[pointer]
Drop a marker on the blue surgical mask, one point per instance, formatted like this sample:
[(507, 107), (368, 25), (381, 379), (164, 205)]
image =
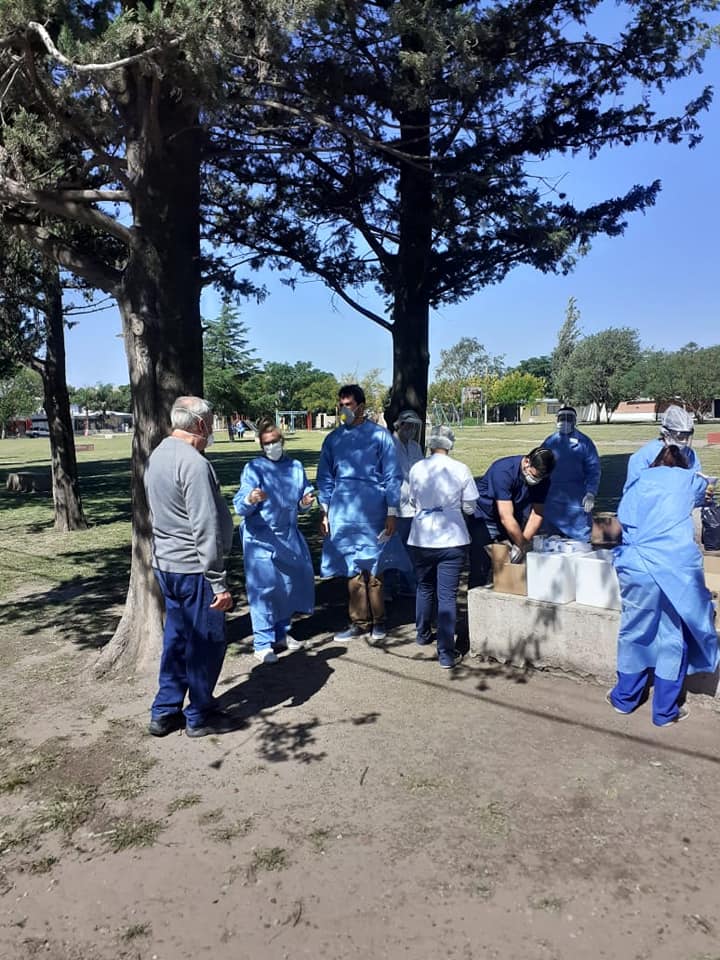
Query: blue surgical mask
[(347, 416), (273, 451)]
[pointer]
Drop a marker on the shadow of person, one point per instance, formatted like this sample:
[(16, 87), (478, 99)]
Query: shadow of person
[(296, 678)]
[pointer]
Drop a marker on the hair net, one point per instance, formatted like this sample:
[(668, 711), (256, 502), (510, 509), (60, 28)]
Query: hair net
[(441, 438), (407, 416), (677, 420)]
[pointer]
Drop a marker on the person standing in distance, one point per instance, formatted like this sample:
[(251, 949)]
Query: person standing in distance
[(192, 531), (358, 481), (409, 452), (575, 480), (676, 427)]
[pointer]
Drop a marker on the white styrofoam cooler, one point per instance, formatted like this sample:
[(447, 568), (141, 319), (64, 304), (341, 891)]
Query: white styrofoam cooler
[(551, 577), (596, 583)]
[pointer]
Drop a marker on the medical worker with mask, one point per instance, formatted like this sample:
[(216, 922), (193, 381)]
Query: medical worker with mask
[(666, 623), (358, 481), (409, 452), (575, 481), (510, 506), (278, 569), (676, 426)]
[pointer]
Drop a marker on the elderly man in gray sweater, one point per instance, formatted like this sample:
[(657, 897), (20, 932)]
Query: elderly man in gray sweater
[(192, 534)]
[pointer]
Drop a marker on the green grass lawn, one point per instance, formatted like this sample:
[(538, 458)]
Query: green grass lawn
[(97, 560)]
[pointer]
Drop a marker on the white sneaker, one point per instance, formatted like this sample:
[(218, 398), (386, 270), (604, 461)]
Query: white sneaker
[(378, 633), (289, 643), (265, 656)]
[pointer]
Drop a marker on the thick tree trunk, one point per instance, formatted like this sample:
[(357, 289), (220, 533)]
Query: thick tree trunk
[(411, 309), (65, 485), (160, 308)]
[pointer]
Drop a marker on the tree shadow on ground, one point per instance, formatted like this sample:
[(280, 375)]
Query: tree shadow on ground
[(81, 610)]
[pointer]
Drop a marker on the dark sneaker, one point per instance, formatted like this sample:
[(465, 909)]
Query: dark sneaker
[(167, 723), (378, 633), (216, 724)]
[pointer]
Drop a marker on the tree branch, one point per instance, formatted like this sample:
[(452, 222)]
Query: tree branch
[(95, 272), (14, 192), (40, 30)]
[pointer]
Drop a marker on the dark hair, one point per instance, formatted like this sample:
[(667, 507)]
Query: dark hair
[(265, 424), (671, 456), (352, 390), (571, 410), (542, 460)]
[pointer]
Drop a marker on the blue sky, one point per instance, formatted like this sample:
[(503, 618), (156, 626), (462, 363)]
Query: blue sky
[(661, 277)]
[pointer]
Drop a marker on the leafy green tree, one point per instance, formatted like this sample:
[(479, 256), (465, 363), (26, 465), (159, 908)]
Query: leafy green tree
[(599, 370), (320, 396), (136, 88), (405, 146), (568, 338), (540, 367), (698, 371), (32, 321), (228, 362), (20, 396)]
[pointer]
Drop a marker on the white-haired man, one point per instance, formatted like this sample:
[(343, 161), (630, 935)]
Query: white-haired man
[(192, 531)]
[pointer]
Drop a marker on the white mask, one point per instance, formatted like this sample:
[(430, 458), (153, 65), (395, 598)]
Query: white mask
[(273, 451), (531, 480)]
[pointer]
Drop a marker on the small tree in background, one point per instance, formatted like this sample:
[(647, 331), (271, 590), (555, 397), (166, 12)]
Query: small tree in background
[(568, 338), (227, 363), (20, 396), (599, 370)]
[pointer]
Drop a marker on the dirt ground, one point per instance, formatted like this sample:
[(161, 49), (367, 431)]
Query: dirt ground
[(369, 805)]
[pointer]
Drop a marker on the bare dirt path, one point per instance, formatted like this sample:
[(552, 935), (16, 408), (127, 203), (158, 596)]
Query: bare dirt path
[(369, 805)]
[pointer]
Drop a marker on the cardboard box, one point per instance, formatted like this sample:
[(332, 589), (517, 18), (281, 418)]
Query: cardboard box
[(711, 562), (606, 529), (507, 577), (712, 582)]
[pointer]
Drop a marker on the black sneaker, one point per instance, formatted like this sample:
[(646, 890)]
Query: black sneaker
[(167, 723), (215, 724)]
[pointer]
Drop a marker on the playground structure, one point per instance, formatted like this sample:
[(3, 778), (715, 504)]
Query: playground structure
[(285, 419)]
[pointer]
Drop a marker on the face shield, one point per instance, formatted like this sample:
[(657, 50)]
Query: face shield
[(566, 422), (681, 438), (407, 426)]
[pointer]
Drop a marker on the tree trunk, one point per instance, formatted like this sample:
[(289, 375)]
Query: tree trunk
[(160, 308), (231, 432), (69, 513), (411, 306)]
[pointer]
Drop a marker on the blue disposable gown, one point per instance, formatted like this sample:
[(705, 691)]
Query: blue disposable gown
[(642, 458), (358, 479), (577, 472), (665, 602), (278, 567)]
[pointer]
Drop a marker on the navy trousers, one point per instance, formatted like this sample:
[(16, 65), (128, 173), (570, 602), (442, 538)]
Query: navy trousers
[(630, 689), (438, 575), (193, 648)]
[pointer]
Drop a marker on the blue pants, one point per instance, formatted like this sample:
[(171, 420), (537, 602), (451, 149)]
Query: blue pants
[(438, 575), (264, 639), (193, 647), (630, 689)]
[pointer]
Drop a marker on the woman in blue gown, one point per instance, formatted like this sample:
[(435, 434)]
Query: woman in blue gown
[(666, 624), (278, 569)]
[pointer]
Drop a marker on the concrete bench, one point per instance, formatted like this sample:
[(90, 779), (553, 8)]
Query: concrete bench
[(26, 482), (566, 636), (80, 447)]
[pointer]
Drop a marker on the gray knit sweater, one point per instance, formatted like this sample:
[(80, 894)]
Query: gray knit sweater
[(192, 525)]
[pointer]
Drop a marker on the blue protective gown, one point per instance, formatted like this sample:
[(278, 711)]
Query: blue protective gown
[(577, 472), (665, 603), (278, 568), (358, 480), (643, 457)]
